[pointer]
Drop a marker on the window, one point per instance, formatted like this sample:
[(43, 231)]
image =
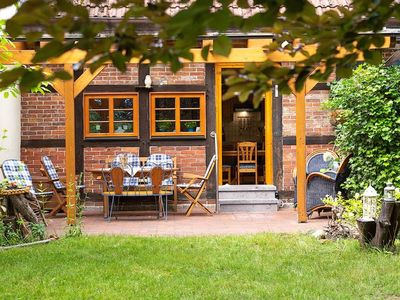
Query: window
[(178, 114), (111, 115)]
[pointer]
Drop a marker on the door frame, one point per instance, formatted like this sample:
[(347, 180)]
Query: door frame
[(269, 163)]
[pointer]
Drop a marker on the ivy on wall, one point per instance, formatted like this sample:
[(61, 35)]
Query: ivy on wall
[(369, 107)]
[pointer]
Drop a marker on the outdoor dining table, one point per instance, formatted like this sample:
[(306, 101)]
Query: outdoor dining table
[(98, 174)]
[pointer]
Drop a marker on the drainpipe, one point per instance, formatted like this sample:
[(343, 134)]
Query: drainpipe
[(213, 134)]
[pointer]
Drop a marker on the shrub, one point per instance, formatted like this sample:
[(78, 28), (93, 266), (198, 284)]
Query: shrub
[(369, 103)]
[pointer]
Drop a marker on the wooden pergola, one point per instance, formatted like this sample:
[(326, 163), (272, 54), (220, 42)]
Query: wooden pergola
[(69, 89)]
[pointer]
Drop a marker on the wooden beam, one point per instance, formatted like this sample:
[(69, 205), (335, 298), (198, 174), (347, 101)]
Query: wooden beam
[(237, 55), (258, 43), (70, 145), (58, 85), (301, 155), (85, 79), (269, 155)]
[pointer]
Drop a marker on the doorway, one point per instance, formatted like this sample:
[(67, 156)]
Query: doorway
[(241, 122)]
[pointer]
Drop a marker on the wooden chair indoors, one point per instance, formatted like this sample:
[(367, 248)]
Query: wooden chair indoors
[(195, 187), (246, 159), (57, 185)]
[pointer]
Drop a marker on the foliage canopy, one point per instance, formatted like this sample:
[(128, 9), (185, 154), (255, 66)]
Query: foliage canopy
[(370, 128), (355, 29)]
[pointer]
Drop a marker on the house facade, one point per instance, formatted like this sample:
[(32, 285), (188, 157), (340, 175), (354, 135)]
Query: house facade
[(176, 114)]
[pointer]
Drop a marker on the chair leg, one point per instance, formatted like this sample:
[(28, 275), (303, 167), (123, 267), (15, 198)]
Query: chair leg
[(111, 209)]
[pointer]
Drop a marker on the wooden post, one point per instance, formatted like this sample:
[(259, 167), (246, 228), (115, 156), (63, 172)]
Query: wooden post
[(70, 145), (269, 156), (301, 154)]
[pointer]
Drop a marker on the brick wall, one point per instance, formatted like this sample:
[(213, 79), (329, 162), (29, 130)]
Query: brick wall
[(192, 73), (190, 159), (42, 116), (96, 157), (32, 156), (111, 76), (317, 119), (289, 162)]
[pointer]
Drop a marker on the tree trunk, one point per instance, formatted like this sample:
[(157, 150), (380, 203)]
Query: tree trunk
[(381, 233), (21, 205)]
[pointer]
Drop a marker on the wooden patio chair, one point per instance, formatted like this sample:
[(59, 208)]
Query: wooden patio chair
[(57, 185), (16, 172), (195, 187), (246, 159)]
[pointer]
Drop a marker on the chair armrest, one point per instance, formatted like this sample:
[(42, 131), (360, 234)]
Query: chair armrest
[(320, 175), (191, 176)]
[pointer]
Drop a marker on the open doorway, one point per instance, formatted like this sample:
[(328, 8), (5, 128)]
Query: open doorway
[(239, 123)]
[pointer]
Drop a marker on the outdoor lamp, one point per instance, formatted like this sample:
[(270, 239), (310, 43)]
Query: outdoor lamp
[(388, 192), (370, 197)]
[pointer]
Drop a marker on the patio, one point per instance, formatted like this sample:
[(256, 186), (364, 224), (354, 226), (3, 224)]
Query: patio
[(282, 221)]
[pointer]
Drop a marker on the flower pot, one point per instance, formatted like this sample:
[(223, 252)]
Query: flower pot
[(191, 129)]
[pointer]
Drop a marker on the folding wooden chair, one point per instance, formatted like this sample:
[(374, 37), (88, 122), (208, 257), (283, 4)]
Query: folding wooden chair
[(197, 185), (57, 185)]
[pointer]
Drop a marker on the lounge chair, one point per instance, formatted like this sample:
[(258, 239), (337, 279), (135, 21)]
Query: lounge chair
[(57, 185)]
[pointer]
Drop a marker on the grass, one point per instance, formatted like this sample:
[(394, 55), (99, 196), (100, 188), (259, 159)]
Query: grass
[(267, 266)]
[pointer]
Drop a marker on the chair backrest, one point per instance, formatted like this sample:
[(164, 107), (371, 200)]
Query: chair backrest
[(315, 161), (51, 172), (117, 180), (247, 152), (342, 173), (210, 167), (15, 171)]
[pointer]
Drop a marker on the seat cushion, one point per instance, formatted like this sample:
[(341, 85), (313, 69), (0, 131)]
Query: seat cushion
[(247, 166)]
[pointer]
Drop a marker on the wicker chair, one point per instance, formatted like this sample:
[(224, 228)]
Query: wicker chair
[(319, 185), (315, 163)]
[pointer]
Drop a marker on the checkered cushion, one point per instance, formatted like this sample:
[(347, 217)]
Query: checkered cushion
[(134, 162), (164, 161), (51, 170), (15, 171)]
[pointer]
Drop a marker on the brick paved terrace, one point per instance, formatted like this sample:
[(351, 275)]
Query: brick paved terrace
[(282, 221)]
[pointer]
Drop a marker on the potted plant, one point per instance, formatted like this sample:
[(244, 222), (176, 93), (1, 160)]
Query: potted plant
[(164, 126), (190, 126)]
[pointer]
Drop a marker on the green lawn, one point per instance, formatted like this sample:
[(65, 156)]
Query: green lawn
[(236, 267)]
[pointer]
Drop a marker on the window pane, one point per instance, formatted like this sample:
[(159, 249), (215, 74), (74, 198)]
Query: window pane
[(123, 115), (190, 126), (193, 102), (190, 114), (165, 126), (165, 115), (121, 103), (98, 127), (165, 102), (98, 103), (98, 115), (122, 127)]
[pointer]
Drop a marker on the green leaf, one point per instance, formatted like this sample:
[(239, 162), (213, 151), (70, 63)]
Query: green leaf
[(52, 49), (6, 3), (118, 60), (222, 45), (205, 51)]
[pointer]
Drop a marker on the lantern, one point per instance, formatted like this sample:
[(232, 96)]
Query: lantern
[(370, 197), (388, 192)]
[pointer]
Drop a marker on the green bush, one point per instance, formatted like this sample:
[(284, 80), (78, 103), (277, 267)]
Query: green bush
[(369, 104)]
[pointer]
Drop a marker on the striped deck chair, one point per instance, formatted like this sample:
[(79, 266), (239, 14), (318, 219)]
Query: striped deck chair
[(16, 171), (58, 186)]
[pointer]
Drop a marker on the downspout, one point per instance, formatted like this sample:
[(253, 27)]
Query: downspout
[(213, 134)]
